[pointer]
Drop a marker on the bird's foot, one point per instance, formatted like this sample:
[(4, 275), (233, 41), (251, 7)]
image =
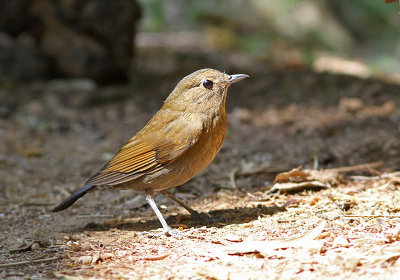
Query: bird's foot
[(173, 232)]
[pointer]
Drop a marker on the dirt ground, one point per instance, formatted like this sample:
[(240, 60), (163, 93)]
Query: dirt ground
[(55, 134)]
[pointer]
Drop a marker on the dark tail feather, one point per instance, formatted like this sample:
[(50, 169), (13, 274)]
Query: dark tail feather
[(74, 197)]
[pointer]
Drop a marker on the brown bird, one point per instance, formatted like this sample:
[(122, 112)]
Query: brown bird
[(181, 139)]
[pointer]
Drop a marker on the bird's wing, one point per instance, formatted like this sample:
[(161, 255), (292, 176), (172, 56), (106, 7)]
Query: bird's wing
[(150, 150)]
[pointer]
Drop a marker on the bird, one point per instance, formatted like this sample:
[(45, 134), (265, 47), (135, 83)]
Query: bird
[(178, 142)]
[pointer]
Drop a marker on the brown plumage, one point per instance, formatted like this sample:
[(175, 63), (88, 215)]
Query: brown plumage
[(180, 140)]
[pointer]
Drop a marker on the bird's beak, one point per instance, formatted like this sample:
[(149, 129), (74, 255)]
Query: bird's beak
[(236, 78)]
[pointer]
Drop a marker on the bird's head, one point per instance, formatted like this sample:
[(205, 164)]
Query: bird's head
[(203, 89)]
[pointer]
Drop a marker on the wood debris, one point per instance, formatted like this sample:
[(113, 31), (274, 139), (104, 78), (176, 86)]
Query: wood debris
[(298, 179), (267, 247)]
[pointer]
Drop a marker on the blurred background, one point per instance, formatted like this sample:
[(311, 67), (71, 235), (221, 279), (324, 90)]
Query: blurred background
[(297, 33), (46, 39)]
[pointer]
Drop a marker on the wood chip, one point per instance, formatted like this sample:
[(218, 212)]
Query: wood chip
[(156, 258)]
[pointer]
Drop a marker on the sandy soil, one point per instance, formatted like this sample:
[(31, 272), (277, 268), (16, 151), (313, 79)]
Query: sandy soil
[(55, 134)]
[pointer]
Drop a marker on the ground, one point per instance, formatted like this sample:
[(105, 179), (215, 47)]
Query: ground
[(55, 134)]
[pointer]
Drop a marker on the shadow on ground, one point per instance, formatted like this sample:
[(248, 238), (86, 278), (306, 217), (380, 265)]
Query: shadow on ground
[(217, 218)]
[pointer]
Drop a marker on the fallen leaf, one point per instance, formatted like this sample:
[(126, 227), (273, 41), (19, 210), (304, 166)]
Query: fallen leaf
[(297, 179)]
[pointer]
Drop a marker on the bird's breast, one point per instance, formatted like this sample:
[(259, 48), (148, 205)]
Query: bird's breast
[(202, 153)]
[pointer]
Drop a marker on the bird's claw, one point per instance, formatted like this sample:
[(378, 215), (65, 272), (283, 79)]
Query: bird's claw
[(173, 233)]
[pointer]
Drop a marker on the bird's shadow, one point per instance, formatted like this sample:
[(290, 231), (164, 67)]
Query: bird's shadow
[(216, 218)]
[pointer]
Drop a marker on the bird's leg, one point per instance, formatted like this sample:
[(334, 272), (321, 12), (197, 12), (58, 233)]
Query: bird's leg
[(149, 194), (192, 212)]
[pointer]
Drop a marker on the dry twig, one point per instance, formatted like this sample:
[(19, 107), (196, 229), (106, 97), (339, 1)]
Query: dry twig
[(156, 258)]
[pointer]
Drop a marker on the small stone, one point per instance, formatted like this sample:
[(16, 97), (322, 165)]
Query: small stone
[(35, 247)]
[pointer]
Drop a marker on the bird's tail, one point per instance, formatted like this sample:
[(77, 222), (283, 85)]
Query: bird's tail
[(74, 197)]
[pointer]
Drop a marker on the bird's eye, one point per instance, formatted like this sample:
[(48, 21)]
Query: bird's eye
[(208, 84)]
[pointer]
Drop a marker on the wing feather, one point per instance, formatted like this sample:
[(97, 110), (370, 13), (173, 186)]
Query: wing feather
[(148, 151)]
